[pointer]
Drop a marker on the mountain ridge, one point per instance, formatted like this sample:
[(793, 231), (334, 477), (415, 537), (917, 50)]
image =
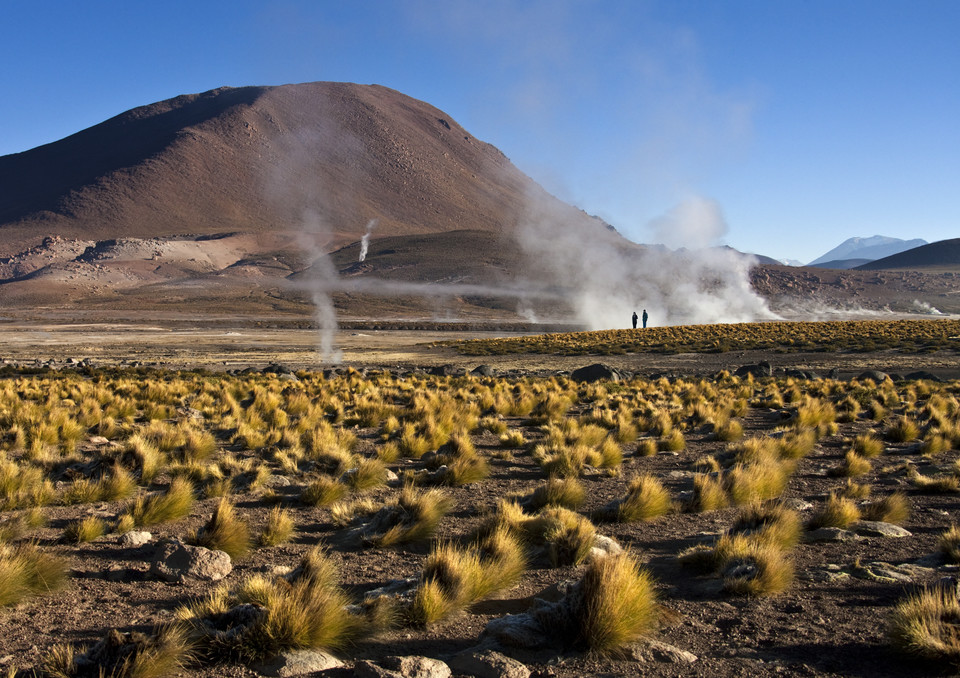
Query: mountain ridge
[(873, 247)]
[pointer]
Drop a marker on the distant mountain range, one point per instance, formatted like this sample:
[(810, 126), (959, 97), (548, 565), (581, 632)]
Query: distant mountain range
[(941, 255), (864, 249)]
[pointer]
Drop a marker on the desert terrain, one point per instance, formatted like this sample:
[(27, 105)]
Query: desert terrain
[(830, 619)]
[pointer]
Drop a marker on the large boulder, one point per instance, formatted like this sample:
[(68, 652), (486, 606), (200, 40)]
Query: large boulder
[(761, 369), (177, 562), (596, 372)]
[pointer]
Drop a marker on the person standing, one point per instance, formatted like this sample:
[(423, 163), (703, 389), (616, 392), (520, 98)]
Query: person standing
[(644, 319), (634, 320)]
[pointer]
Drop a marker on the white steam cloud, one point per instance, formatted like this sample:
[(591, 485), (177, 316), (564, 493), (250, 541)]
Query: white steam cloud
[(365, 240), (605, 278)]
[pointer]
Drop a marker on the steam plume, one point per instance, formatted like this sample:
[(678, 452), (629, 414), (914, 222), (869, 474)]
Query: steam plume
[(605, 278), (365, 240)]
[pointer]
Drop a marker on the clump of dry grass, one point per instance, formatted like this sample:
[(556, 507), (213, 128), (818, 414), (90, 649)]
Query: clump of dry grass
[(263, 616), (837, 511), (867, 445), (769, 523), (939, 484), (893, 508), (124, 655), (708, 494), (225, 531), (85, 530), (903, 430), (752, 556), (412, 516), (566, 536), (565, 492), (949, 544), (646, 499), (617, 604), (852, 466), (279, 529), (163, 507), (454, 578), (26, 571), (323, 491), (925, 624)]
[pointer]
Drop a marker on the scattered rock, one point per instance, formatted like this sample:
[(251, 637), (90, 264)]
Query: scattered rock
[(761, 369), (921, 375), (488, 664), (134, 538), (874, 375), (797, 504), (298, 663), (829, 534), (595, 372), (880, 572), (870, 528), (483, 371), (659, 651), (177, 562)]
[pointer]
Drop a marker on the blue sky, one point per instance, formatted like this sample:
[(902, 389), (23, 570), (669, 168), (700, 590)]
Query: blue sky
[(807, 121)]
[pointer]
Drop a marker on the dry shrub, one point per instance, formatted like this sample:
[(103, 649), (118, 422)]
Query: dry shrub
[(26, 570), (708, 494), (565, 492), (949, 544), (163, 507), (925, 624), (893, 508), (225, 531), (852, 466), (279, 529), (618, 603), (645, 500), (124, 655), (837, 511), (262, 617), (454, 578)]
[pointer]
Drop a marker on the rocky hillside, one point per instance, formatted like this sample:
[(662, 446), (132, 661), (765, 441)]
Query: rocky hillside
[(321, 159)]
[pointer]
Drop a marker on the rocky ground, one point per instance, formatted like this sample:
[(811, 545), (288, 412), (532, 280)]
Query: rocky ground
[(830, 622)]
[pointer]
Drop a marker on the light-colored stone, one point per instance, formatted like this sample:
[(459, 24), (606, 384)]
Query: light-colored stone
[(870, 528), (134, 538), (516, 630), (178, 562), (299, 663), (829, 534), (417, 667), (664, 652), (488, 664)]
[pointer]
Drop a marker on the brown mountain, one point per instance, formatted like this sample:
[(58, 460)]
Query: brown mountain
[(325, 158)]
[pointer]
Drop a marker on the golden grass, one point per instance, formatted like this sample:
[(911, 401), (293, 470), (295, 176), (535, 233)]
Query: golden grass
[(862, 335), (618, 604), (925, 624), (837, 511), (225, 531)]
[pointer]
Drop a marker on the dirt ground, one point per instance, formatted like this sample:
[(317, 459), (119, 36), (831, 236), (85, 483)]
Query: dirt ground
[(831, 622)]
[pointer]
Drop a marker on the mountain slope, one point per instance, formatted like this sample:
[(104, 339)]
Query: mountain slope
[(943, 254), (875, 247), (321, 159)]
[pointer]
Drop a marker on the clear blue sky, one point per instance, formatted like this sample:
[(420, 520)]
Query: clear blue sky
[(808, 121)]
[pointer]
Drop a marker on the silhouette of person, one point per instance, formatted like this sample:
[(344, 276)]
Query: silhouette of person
[(634, 320), (644, 319)]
